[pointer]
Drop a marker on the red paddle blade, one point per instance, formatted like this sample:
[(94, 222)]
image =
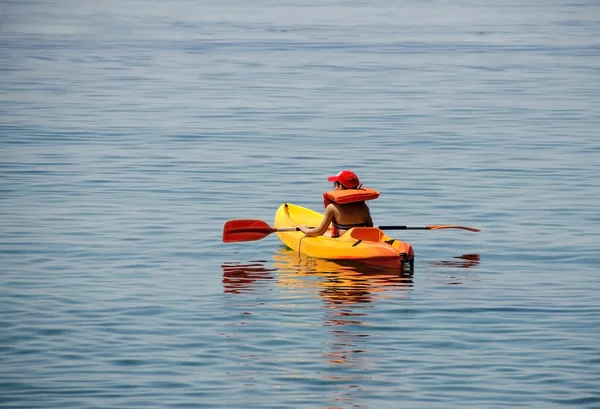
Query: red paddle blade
[(452, 227), (245, 230)]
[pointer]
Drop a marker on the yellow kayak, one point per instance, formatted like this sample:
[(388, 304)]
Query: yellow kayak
[(368, 245)]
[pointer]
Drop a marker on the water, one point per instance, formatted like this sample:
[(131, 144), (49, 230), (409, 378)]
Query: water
[(131, 131)]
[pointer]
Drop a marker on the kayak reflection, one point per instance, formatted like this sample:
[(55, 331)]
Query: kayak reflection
[(340, 282), (347, 290)]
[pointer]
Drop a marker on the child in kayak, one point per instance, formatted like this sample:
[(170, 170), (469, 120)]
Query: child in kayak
[(345, 206)]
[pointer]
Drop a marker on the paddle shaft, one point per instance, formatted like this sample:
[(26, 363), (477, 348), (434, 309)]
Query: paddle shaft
[(408, 228), (404, 228), (250, 229), (283, 229), (287, 229)]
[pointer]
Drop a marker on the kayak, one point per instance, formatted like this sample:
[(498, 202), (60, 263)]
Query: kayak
[(369, 245)]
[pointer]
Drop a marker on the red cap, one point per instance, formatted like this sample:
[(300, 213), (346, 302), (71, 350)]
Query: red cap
[(346, 178)]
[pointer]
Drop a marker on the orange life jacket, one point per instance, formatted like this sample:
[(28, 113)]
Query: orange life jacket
[(350, 195), (347, 196)]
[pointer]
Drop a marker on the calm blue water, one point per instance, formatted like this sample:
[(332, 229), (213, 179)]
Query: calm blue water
[(130, 131)]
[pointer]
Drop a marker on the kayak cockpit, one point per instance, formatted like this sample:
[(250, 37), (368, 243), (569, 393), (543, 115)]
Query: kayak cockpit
[(366, 234)]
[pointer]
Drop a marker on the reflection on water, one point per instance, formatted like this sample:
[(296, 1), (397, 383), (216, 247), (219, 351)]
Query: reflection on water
[(339, 284), (348, 292), (464, 261), (238, 277), (448, 277)]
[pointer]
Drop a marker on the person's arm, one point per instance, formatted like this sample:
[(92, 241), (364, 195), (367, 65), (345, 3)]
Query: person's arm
[(322, 228)]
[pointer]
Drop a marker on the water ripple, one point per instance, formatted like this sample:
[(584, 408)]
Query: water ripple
[(129, 138)]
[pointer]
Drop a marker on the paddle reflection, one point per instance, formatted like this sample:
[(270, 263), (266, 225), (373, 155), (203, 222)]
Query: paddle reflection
[(447, 274), (238, 277), (464, 261)]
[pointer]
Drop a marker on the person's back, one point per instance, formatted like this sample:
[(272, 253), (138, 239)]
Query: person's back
[(349, 215), (345, 206)]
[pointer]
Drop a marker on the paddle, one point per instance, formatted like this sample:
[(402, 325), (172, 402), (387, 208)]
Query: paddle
[(251, 230)]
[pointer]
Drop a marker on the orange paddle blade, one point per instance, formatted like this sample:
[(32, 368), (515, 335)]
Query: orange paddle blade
[(245, 230), (451, 227)]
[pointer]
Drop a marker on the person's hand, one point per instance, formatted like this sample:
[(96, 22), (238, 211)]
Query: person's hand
[(304, 228)]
